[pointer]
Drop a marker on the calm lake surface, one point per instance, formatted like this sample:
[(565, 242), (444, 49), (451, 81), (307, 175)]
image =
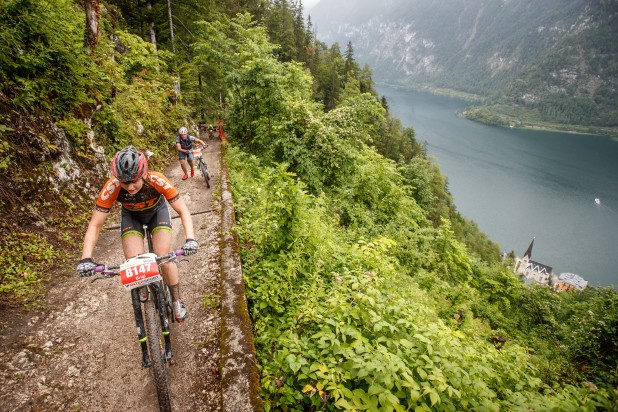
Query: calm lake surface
[(519, 184)]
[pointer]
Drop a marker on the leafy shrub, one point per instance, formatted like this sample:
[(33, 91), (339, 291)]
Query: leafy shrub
[(339, 325), (42, 64), (24, 259)]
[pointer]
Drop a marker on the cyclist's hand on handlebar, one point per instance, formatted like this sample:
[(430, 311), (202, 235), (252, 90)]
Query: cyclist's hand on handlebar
[(86, 267), (190, 247)]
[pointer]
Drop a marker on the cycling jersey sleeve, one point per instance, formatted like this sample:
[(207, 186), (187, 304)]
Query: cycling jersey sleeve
[(163, 186), (108, 195)]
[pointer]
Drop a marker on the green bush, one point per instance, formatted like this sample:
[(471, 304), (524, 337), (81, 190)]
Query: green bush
[(42, 59), (24, 259), (338, 324)]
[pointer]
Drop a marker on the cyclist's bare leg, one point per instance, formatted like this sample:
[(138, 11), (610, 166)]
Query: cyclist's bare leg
[(190, 164), (132, 245), (161, 242), (183, 165)]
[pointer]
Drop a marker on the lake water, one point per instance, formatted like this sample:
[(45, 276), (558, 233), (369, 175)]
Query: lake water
[(520, 184)]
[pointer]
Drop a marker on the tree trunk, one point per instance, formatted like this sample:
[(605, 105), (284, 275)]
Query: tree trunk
[(93, 32), (151, 27), (169, 15)]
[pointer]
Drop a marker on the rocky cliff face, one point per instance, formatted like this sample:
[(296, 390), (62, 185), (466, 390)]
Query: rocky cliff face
[(474, 45), (44, 177)]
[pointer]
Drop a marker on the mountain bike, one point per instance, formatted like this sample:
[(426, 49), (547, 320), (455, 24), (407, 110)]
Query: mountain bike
[(201, 164), (152, 307)]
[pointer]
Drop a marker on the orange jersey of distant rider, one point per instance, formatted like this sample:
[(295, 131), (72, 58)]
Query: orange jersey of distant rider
[(155, 185)]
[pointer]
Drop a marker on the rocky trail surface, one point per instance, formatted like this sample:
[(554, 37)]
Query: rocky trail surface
[(81, 353)]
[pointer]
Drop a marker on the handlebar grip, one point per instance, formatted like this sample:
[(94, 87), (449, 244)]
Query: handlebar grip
[(103, 268)]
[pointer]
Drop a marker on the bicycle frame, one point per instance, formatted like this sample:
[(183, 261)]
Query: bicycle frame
[(156, 352), (157, 292), (201, 164)]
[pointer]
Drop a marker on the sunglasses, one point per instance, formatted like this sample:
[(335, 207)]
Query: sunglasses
[(128, 182)]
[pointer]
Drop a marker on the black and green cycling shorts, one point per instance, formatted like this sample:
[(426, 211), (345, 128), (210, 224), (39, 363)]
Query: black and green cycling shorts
[(155, 218)]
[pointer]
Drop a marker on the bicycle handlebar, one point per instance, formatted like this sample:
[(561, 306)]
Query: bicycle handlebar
[(113, 269)]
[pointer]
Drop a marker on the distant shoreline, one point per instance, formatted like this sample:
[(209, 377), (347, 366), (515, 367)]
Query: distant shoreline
[(509, 122), (501, 119), (438, 92)]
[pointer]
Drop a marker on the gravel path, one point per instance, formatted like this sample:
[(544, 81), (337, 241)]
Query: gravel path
[(82, 354)]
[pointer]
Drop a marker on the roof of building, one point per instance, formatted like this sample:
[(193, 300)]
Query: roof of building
[(573, 279), (539, 267), (529, 250)]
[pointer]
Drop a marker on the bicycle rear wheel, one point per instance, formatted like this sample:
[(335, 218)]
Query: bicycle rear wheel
[(205, 173), (156, 349)]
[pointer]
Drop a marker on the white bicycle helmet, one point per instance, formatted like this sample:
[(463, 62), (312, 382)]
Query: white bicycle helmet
[(183, 130)]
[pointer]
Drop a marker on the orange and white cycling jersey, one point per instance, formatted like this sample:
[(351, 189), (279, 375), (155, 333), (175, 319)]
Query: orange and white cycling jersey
[(155, 185)]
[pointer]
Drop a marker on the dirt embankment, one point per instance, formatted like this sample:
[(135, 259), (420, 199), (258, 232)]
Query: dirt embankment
[(82, 354)]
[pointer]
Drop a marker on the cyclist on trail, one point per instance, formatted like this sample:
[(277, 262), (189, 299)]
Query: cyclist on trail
[(184, 145), (143, 195)]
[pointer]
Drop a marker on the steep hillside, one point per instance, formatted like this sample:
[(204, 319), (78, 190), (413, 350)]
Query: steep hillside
[(486, 48), (574, 83)]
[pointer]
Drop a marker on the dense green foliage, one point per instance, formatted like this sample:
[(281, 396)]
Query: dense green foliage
[(23, 258), (122, 88), (340, 322), (367, 290), (359, 299), (42, 65)]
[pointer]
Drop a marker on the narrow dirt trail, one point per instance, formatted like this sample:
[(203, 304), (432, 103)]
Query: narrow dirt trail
[(82, 354)]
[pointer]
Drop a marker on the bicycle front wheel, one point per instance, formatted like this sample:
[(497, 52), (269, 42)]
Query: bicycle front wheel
[(204, 170), (156, 349)]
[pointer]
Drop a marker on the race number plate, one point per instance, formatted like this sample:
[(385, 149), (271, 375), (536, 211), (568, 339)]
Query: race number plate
[(197, 152), (139, 271)]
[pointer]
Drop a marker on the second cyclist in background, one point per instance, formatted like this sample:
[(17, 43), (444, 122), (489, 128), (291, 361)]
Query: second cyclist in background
[(184, 145)]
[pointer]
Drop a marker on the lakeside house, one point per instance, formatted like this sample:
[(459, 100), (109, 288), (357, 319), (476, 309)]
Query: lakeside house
[(569, 281), (542, 274)]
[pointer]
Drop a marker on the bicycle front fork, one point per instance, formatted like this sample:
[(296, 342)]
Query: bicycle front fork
[(162, 309), (141, 331), (139, 321)]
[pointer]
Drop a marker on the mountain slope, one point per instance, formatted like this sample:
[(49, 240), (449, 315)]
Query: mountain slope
[(488, 48)]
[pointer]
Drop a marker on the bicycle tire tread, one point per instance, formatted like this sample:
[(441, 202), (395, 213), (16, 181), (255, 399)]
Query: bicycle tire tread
[(204, 170), (159, 367)]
